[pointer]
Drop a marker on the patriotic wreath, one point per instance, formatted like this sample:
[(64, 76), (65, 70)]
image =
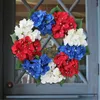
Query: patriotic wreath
[(28, 50)]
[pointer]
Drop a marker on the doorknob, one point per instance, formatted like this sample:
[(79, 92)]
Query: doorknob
[(9, 84)]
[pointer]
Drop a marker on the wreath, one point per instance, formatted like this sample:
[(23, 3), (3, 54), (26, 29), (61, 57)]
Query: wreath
[(28, 49)]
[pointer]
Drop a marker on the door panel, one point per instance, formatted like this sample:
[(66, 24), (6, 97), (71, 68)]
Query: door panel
[(87, 81)]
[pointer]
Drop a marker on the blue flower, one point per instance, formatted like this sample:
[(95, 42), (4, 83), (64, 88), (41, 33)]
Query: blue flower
[(37, 67), (76, 52), (38, 17), (43, 21), (45, 59)]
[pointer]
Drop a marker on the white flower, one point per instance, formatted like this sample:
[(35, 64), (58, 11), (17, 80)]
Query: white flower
[(29, 24), (75, 37), (25, 29), (34, 35), (56, 72), (52, 65), (18, 31), (53, 75)]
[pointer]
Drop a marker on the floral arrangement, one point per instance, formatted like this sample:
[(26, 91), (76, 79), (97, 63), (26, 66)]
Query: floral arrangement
[(28, 49)]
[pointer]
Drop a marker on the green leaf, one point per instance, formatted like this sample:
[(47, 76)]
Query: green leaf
[(38, 81), (30, 13), (13, 36), (56, 9), (37, 57), (87, 50), (76, 75), (79, 23), (18, 65), (62, 82)]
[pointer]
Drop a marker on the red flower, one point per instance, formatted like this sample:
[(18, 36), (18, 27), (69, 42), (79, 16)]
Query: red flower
[(26, 49), (58, 60), (68, 68), (64, 22), (37, 45)]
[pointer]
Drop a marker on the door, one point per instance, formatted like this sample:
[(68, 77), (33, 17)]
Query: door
[(18, 84)]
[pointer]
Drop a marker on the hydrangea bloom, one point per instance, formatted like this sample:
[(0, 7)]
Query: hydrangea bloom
[(64, 22), (53, 75), (35, 35), (67, 67), (25, 29), (75, 37), (76, 52), (26, 24), (43, 21), (26, 49), (59, 58), (37, 67)]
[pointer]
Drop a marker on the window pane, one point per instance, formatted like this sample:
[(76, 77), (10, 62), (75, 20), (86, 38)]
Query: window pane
[(51, 49)]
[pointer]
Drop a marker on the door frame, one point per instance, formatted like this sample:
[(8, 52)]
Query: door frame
[(9, 13), (1, 49), (99, 47)]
